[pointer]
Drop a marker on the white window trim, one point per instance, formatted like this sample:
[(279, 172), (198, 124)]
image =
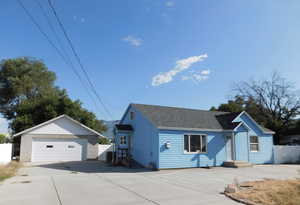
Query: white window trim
[(199, 152), (124, 140), (250, 143)]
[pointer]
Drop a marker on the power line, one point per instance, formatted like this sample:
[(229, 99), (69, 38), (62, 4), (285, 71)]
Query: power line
[(67, 61), (77, 58), (63, 49), (53, 30)]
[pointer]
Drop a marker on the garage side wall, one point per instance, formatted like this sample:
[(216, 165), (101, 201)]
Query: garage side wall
[(26, 144), (93, 147), (25, 149)]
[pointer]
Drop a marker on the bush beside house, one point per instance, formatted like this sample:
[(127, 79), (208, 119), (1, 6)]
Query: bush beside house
[(104, 141)]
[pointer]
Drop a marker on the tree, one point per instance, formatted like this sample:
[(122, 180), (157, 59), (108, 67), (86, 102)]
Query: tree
[(3, 138), (239, 104), (103, 140), (41, 100), (235, 105), (276, 99), (21, 79), (272, 102)]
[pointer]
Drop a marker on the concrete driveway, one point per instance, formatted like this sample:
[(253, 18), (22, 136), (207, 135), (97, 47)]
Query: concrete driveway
[(93, 182)]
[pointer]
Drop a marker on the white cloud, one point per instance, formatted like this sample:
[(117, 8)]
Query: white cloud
[(197, 76), (170, 4), (3, 126), (180, 66), (205, 72), (133, 40)]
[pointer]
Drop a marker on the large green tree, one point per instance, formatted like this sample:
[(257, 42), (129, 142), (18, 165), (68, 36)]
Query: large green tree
[(22, 79), (29, 96)]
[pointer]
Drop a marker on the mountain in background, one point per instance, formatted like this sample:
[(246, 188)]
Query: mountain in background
[(110, 128)]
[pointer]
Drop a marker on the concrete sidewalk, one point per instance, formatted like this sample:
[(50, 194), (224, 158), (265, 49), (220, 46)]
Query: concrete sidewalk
[(95, 183)]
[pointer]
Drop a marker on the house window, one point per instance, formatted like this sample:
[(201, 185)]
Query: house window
[(195, 143), (131, 115), (123, 140), (254, 146), (49, 146)]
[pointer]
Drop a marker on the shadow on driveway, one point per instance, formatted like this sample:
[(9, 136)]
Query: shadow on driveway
[(90, 167)]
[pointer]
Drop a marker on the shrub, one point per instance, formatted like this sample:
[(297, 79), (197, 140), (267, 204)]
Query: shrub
[(9, 170), (103, 140), (2, 139)]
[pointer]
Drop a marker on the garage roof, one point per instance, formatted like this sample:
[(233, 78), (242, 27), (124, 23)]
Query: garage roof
[(55, 119)]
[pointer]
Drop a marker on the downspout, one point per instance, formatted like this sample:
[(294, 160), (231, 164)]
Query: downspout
[(113, 150), (114, 147), (248, 144), (233, 147)]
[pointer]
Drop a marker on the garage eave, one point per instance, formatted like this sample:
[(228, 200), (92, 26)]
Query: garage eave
[(54, 119)]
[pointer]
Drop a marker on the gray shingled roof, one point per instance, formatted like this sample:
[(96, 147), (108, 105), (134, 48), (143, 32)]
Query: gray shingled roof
[(173, 117)]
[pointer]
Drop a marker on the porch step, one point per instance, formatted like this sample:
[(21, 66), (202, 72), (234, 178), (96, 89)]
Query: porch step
[(237, 164)]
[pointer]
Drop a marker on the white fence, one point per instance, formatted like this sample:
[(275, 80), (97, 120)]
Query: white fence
[(5, 153), (286, 154), (102, 151)]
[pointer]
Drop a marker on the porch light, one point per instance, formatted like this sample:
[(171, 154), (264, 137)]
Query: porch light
[(167, 145)]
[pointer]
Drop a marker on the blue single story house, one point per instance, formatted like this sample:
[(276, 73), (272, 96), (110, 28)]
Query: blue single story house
[(169, 137)]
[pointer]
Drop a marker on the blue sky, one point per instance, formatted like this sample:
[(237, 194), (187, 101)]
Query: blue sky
[(167, 52)]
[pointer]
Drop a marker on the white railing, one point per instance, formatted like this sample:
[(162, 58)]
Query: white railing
[(5, 153), (102, 151), (284, 154)]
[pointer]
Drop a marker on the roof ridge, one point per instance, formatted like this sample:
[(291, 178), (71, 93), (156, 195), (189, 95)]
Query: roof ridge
[(54, 119), (181, 108)]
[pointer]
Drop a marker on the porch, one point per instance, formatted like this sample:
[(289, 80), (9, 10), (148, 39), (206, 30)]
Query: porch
[(237, 149), (123, 144)]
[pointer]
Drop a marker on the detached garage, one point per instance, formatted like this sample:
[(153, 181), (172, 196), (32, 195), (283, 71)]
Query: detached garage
[(59, 139)]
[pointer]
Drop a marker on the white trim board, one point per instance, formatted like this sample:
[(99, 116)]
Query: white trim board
[(55, 119)]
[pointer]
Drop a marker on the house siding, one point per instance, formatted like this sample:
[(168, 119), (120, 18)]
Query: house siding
[(174, 157), (149, 144), (265, 153), (62, 126), (145, 138), (216, 147), (241, 146)]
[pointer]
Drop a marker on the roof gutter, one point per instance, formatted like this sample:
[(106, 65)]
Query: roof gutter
[(193, 129)]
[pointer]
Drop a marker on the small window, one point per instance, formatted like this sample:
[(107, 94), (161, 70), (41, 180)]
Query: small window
[(71, 146), (254, 144), (131, 115), (123, 140), (49, 146), (195, 143)]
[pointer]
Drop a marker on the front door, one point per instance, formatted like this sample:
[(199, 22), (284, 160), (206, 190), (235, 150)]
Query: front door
[(229, 150)]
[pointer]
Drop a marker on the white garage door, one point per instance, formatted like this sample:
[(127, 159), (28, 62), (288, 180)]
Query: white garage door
[(51, 149)]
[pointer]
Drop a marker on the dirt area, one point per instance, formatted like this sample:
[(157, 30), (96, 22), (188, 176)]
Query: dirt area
[(268, 192), (9, 170)]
